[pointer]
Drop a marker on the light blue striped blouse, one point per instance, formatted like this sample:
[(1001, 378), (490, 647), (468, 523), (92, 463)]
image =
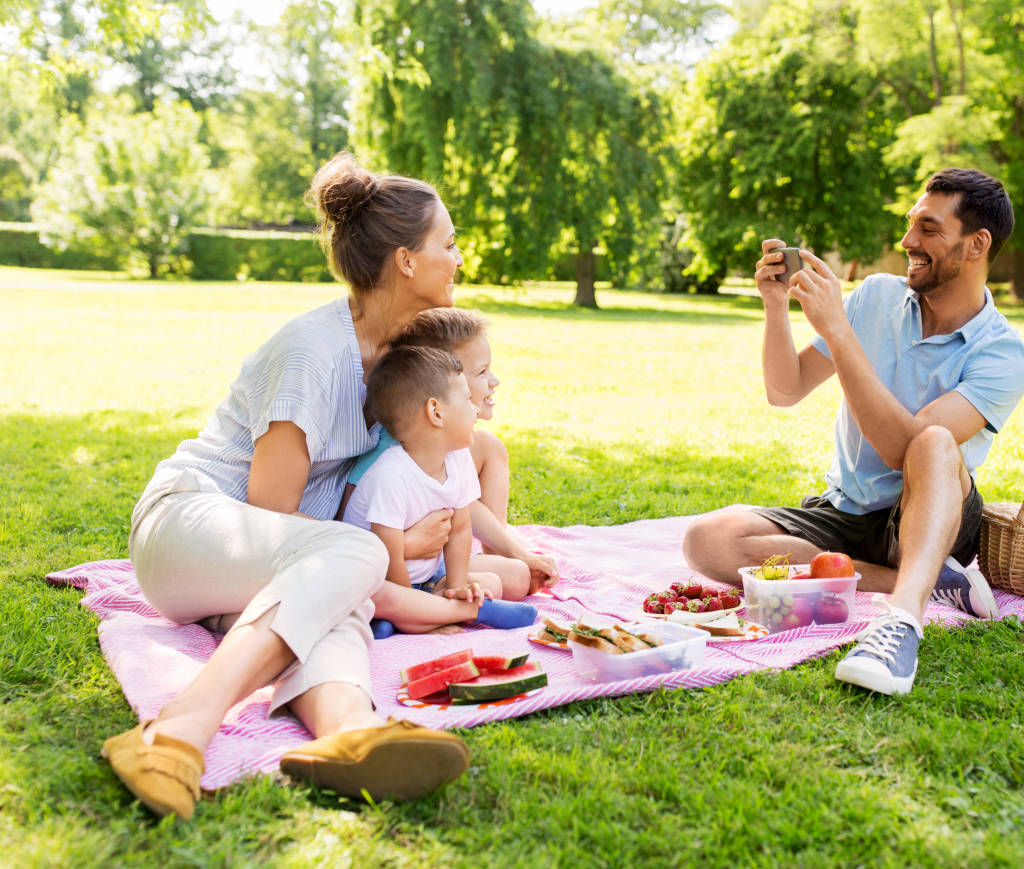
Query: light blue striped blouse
[(310, 373)]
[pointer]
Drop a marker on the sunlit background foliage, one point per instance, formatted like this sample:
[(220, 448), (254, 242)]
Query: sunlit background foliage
[(649, 143)]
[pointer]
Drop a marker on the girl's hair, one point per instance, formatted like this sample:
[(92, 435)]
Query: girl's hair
[(365, 217), (442, 328)]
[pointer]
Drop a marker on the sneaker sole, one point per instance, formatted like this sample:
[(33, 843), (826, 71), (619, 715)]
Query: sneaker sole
[(406, 769), (848, 670), (979, 585)]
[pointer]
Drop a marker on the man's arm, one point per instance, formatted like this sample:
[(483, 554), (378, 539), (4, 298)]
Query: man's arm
[(789, 377), (886, 424), (394, 540)]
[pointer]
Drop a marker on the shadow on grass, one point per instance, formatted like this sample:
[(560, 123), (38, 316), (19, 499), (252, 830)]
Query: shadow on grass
[(727, 309)]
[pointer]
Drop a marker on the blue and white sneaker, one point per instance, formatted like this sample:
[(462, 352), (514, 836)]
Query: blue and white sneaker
[(885, 657), (966, 590)]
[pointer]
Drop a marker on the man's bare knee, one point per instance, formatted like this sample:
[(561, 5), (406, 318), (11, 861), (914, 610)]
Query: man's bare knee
[(934, 454)]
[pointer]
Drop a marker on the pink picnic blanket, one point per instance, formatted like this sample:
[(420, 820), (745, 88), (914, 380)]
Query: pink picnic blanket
[(606, 571)]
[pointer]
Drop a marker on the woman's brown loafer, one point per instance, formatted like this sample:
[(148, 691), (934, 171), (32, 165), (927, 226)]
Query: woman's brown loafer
[(400, 759), (164, 776)]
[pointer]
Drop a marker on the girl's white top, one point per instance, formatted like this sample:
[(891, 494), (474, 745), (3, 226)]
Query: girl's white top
[(309, 373)]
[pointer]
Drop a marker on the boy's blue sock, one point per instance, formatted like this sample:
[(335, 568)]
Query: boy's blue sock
[(382, 628), (506, 614)]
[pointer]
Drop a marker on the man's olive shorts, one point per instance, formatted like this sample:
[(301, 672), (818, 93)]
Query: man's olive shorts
[(873, 537)]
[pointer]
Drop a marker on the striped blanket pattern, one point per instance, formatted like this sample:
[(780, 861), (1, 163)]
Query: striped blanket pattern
[(606, 572)]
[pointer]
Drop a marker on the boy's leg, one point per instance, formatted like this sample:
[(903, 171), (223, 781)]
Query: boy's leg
[(414, 612), (491, 460), (513, 575)]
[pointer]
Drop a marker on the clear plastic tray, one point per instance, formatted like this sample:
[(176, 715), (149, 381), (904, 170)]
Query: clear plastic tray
[(684, 648), (812, 601)]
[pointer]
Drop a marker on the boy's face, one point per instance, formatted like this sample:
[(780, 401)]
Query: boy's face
[(459, 414), (475, 357)]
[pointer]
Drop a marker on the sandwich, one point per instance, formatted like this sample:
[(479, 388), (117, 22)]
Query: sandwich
[(552, 632), (726, 626)]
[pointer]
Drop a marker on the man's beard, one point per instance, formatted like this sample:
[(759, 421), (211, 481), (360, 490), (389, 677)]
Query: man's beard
[(940, 271)]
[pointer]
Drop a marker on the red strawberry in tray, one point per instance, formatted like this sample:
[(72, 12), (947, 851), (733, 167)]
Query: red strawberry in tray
[(692, 590), (730, 600), (708, 591), (672, 606), (667, 596), (713, 604), (695, 606), (678, 588), (652, 606)]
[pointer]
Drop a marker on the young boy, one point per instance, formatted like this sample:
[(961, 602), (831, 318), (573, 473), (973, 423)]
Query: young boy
[(422, 396), (461, 333)]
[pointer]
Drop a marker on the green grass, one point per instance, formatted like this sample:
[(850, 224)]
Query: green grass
[(649, 407)]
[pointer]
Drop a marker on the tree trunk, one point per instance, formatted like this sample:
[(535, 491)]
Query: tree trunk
[(851, 270), (1017, 273), (586, 266)]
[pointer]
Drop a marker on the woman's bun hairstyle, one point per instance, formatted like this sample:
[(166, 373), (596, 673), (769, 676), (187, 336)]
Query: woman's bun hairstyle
[(366, 216)]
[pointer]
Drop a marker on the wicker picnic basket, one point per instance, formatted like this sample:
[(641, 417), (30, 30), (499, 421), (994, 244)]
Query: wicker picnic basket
[(1001, 553)]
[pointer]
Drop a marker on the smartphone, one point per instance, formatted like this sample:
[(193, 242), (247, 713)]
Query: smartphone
[(791, 260)]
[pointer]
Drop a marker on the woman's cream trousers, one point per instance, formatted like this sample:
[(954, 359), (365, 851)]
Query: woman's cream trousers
[(199, 555)]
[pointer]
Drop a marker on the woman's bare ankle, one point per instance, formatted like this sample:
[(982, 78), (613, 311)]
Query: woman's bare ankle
[(192, 729)]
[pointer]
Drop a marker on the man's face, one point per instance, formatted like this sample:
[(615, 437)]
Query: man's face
[(933, 242)]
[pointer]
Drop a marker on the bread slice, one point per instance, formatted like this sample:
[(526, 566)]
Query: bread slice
[(726, 626), (652, 640), (599, 644), (623, 639)]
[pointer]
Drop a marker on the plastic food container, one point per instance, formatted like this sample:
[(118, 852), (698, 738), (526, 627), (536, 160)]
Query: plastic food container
[(684, 648), (786, 604)]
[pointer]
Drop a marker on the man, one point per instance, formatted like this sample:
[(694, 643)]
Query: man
[(930, 371)]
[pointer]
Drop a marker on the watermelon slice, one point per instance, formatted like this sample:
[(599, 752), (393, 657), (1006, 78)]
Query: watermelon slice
[(499, 685), (439, 681), (498, 662), (436, 666)]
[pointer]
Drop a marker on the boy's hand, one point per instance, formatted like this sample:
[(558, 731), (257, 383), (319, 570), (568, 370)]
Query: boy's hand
[(471, 592), (427, 537), (543, 571)]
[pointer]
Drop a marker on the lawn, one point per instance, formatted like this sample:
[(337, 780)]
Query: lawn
[(649, 407)]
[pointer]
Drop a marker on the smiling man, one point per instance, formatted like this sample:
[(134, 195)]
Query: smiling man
[(930, 371)]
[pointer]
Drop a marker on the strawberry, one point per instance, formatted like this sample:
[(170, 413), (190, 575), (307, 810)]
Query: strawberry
[(730, 600), (713, 604), (667, 596), (679, 588), (672, 606), (652, 606), (692, 590), (658, 609), (708, 591), (652, 599), (695, 606)]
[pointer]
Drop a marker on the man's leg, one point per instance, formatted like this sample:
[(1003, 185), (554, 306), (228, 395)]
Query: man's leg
[(935, 486), (720, 544)]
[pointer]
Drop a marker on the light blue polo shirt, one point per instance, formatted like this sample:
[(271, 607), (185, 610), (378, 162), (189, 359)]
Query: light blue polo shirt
[(983, 361)]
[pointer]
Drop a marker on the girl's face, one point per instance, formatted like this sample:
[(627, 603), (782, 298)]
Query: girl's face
[(436, 263), (475, 357)]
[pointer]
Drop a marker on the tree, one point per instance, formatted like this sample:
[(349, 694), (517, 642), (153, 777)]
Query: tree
[(543, 149), (129, 186), (784, 139)]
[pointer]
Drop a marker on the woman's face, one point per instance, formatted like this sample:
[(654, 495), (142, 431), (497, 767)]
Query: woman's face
[(475, 357), (436, 262)]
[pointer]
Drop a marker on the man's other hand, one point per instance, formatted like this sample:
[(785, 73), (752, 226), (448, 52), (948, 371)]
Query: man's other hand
[(820, 294), (772, 291)]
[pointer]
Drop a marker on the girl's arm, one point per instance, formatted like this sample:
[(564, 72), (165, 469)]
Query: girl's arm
[(495, 536), (394, 540)]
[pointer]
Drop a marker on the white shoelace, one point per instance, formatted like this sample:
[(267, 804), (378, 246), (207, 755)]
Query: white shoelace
[(952, 596), (881, 637)]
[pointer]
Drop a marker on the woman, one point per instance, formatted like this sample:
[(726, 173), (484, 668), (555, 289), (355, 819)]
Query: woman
[(238, 520)]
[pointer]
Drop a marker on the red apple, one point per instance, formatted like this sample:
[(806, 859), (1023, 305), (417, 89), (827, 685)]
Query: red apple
[(831, 609), (831, 564), (803, 574)]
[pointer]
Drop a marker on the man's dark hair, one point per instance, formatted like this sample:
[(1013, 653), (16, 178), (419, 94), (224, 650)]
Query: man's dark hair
[(982, 203), (407, 378)]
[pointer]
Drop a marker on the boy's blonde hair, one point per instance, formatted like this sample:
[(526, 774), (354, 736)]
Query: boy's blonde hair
[(406, 379), (442, 328)]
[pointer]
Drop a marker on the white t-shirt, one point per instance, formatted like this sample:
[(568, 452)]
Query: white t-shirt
[(397, 493)]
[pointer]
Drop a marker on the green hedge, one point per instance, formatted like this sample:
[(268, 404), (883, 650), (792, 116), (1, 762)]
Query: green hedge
[(20, 246), (225, 255), (216, 255)]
